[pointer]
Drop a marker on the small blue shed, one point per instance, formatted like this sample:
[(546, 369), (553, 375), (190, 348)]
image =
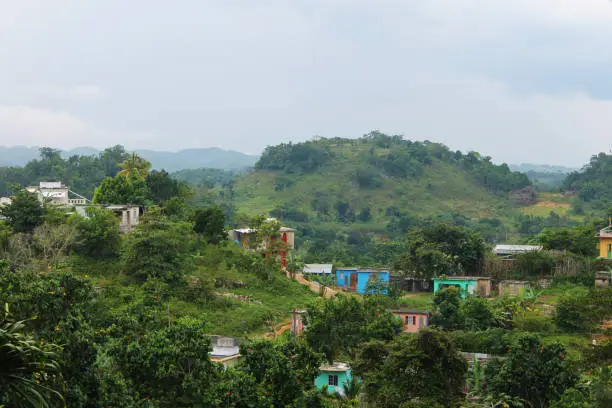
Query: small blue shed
[(357, 279)]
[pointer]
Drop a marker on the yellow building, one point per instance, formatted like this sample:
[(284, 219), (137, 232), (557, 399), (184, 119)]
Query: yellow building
[(605, 242)]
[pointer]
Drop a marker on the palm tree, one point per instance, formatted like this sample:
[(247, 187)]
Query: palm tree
[(135, 165), (25, 367)]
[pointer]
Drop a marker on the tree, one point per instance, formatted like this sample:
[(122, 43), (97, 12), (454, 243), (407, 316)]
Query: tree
[(426, 367), (135, 166), (121, 189), (24, 213), (170, 367), (210, 224), (161, 187), (447, 303), (442, 249), (535, 373), (579, 240), (159, 249), (54, 242), (342, 324), (282, 370), (98, 234), (29, 370)]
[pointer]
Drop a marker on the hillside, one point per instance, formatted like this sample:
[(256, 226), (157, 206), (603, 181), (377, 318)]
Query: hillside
[(170, 161), (374, 179)]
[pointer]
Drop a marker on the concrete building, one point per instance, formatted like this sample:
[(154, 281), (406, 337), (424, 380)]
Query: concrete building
[(297, 322), (246, 236), (225, 351), (129, 216), (52, 191), (5, 201), (467, 285), (414, 320), (357, 279), (513, 287), (334, 376)]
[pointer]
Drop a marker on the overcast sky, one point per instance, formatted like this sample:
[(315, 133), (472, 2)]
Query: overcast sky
[(519, 80)]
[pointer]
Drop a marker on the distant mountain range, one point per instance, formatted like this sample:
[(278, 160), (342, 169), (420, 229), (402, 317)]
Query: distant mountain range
[(211, 157), (541, 168)]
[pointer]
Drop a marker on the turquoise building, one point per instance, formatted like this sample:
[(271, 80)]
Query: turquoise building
[(333, 376), (467, 285), (357, 279)]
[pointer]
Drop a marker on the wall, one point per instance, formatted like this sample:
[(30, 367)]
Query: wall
[(343, 276), (603, 247), (364, 277), (323, 380), (421, 321), (464, 285)]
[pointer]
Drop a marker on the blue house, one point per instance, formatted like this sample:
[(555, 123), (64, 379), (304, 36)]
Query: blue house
[(334, 377), (357, 279)]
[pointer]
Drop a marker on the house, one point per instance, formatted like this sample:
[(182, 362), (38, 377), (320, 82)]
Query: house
[(603, 279), (319, 269), (334, 376), (56, 193), (357, 279), (225, 351), (5, 201), (128, 215), (513, 287), (414, 320), (410, 283), (468, 285), (244, 236), (605, 242), (297, 322), (512, 250), (53, 191)]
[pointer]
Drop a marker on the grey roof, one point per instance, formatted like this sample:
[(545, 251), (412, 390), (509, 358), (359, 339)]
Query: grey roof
[(318, 268), (336, 366), (224, 351), (515, 249), (413, 311)]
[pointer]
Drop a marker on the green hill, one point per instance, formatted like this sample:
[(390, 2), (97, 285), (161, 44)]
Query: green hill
[(374, 179)]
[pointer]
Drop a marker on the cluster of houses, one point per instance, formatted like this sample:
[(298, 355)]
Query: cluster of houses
[(60, 195)]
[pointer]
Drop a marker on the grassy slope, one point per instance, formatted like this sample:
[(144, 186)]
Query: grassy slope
[(271, 302), (441, 189)]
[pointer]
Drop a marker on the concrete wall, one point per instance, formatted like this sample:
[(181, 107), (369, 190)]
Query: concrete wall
[(413, 322), (323, 380), (604, 246)]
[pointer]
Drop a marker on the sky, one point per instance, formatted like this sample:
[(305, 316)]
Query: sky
[(518, 80)]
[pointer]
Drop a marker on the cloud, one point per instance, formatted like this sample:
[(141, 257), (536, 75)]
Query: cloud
[(520, 80), (29, 126)]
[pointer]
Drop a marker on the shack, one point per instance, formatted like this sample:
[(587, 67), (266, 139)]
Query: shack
[(358, 279), (334, 376), (513, 287), (467, 285)]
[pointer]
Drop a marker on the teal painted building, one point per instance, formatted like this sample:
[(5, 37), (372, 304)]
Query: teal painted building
[(467, 285), (333, 376)]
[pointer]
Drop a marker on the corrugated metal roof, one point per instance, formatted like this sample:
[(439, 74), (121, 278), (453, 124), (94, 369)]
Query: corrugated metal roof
[(336, 366), (224, 351), (516, 249), (318, 268)]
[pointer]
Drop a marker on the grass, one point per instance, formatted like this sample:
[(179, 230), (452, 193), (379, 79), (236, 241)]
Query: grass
[(419, 301), (269, 302)]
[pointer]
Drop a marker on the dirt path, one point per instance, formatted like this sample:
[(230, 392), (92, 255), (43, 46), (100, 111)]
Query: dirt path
[(315, 287)]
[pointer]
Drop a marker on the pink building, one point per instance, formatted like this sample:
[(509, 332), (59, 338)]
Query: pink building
[(414, 320), (297, 322)]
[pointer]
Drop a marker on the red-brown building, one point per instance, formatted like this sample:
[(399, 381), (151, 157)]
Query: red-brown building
[(414, 320)]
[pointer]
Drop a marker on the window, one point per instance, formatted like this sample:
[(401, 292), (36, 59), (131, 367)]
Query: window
[(332, 380), (407, 319), (414, 320), (421, 321)]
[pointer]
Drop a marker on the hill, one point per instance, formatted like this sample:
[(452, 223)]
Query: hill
[(339, 179), (212, 157), (593, 183), (546, 177)]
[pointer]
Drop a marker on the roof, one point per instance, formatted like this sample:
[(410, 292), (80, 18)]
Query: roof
[(515, 249), (224, 351), (463, 278), (318, 268), (410, 311), (515, 282), (605, 233), (336, 366)]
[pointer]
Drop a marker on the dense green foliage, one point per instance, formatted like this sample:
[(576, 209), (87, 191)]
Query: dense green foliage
[(425, 368), (24, 213), (592, 183)]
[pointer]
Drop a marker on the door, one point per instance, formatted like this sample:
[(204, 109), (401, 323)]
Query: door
[(353, 281)]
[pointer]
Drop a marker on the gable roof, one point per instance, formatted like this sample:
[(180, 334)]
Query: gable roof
[(318, 268)]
